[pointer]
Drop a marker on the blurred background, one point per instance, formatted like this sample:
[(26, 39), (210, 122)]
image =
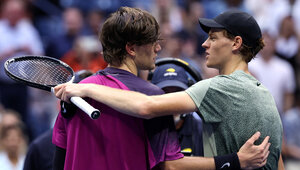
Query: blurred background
[(68, 30)]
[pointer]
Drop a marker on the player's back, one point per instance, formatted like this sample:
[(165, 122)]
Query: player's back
[(248, 107)]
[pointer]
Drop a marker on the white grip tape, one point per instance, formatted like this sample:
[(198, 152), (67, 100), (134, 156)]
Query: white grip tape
[(84, 106)]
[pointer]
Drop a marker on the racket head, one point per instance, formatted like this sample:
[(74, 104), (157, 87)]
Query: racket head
[(41, 72)]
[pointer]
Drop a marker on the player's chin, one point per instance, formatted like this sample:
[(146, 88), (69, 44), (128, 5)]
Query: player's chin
[(148, 67), (151, 65), (210, 65)]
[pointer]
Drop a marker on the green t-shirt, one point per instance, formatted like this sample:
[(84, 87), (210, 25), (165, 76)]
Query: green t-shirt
[(233, 107)]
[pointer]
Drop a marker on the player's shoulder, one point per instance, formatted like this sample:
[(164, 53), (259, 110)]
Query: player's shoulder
[(235, 81), (145, 87), (91, 79)]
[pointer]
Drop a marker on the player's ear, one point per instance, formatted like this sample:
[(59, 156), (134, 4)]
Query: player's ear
[(130, 49), (237, 43)]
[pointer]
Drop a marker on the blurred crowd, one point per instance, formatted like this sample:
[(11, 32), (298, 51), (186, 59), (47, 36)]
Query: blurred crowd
[(68, 30)]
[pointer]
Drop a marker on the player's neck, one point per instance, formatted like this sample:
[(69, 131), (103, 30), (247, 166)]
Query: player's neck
[(127, 65), (233, 66)]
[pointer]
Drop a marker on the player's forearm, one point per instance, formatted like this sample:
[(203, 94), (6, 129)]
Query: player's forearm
[(121, 100), (229, 161), (140, 105), (190, 163), (128, 102)]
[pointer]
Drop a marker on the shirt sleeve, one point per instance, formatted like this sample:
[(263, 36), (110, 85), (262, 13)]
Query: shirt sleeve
[(207, 101), (198, 91)]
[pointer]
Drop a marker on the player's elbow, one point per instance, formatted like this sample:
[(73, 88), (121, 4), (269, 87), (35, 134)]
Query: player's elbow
[(146, 110), (145, 113)]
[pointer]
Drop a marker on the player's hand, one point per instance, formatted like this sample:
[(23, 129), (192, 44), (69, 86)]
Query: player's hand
[(254, 156), (65, 91)]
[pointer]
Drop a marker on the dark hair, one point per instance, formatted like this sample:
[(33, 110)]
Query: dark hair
[(126, 26), (18, 126), (247, 52)]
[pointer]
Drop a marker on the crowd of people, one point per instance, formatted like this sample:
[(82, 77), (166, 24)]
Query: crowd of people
[(69, 31)]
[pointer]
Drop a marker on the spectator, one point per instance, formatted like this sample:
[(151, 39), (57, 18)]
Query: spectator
[(10, 118), (172, 47), (86, 54), (40, 153), (287, 43), (269, 13), (236, 4), (105, 5), (291, 126), (59, 44), (12, 137), (194, 11), (274, 73), (18, 37), (13, 140), (167, 11), (181, 45), (173, 78), (94, 21)]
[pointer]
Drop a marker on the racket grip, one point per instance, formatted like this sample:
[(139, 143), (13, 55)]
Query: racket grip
[(86, 107)]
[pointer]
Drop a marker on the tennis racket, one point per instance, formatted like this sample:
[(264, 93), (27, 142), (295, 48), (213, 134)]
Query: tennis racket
[(45, 73)]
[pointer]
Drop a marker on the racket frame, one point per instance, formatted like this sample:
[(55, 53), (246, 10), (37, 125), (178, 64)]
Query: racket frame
[(39, 86), (79, 102)]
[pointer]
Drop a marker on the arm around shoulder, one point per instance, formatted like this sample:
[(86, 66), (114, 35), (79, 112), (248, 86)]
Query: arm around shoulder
[(129, 102), (189, 163)]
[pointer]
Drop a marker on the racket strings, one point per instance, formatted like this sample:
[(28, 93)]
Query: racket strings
[(45, 72)]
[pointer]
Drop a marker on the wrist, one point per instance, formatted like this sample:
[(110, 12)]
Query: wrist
[(87, 90), (230, 161), (243, 164)]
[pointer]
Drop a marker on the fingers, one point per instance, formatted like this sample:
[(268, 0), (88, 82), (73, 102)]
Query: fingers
[(260, 161), (65, 91), (254, 138), (266, 152), (57, 88), (265, 142), (265, 160), (57, 91), (265, 155), (267, 148), (60, 93)]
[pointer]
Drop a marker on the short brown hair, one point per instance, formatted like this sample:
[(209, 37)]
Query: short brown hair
[(247, 52), (126, 26)]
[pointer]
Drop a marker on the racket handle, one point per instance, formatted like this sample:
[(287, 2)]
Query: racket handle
[(86, 107)]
